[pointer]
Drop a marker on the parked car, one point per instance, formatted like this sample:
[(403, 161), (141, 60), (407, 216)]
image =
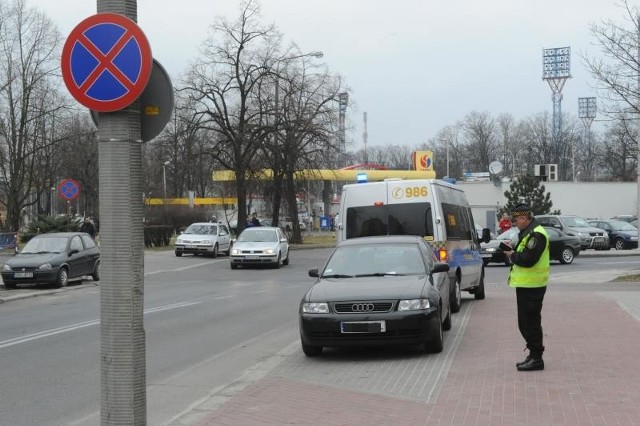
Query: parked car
[(622, 235), (384, 290), (205, 238), (625, 217), (8, 242), (55, 258), (590, 236), (562, 247), (260, 245)]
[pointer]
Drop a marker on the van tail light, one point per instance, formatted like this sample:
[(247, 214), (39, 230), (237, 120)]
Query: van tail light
[(442, 255)]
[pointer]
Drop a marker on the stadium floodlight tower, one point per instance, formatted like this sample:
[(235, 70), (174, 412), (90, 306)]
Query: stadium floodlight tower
[(586, 112), (556, 69)]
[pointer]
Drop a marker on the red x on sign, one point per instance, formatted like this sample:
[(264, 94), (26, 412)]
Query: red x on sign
[(106, 62)]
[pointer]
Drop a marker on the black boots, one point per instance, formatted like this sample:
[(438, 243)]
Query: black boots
[(533, 362)]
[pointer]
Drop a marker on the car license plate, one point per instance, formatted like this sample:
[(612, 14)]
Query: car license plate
[(251, 257), (363, 327), (23, 275), (485, 255), (190, 246)]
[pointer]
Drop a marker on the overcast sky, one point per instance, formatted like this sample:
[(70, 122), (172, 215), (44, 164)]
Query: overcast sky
[(414, 66)]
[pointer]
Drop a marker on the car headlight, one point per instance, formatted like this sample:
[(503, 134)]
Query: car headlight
[(45, 267), (6, 268), (490, 250), (583, 234), (269, 251), (208, 243), (315, 308), (235, 251), (414, 305)]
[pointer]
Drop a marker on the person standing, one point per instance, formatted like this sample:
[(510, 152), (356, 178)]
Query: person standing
[(505, 223), (254, 220), (88, 227), (529, 275)]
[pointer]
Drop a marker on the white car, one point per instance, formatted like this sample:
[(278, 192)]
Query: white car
[(260, 245), (204, 238)]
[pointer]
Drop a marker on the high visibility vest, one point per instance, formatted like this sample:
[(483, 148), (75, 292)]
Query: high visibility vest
[(538, 274)]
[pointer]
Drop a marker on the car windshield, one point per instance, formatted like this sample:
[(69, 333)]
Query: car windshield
[(45, 245), (373, 260), (202, 229), (258, 236), (511, 234), (576, 221), (619, 225)]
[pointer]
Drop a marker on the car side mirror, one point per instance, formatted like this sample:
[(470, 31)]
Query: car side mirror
[(440, 267), (313, 272), (486, 235)]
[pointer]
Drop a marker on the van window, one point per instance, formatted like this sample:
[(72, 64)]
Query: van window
[(457, 222), (394, 219)]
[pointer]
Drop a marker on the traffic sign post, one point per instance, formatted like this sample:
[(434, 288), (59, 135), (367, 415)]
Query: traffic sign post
[(106, 62), (68, 189)]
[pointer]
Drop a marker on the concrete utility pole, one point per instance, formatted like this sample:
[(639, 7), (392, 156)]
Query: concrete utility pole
[(122, 351)]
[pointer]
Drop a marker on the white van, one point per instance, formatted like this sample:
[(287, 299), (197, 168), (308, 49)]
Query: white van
[(433, 209)]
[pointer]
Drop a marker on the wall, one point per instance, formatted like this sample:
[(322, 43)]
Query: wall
[(586, 199)]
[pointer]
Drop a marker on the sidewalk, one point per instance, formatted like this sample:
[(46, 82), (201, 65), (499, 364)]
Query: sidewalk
[(592, 374)]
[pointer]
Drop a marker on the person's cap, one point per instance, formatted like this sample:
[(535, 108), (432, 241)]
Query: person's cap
[(521, 210)]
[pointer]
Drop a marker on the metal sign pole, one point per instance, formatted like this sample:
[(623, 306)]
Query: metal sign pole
[(123, 363)]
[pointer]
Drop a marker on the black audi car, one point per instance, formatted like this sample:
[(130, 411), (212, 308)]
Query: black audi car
[(377, 291)]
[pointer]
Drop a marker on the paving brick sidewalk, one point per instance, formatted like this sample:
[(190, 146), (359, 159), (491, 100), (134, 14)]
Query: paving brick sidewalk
[(592, 376)]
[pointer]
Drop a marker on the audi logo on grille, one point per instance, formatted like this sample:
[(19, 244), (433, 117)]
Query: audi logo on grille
[(362, 307)]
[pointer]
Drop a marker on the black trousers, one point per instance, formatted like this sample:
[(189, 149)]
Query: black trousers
[(529, 317)]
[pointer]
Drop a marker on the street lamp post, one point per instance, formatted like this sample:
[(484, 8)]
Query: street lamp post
[(164, 183)]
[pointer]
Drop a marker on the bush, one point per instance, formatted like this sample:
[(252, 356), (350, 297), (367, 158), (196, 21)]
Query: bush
[(157, 235), (48, 224)]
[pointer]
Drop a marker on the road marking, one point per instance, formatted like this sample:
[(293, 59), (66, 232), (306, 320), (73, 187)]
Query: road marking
[(52, 332), (184, 268)]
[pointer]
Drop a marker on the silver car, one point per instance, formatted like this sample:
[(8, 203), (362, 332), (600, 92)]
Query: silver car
[(260, 245), (203, 238)]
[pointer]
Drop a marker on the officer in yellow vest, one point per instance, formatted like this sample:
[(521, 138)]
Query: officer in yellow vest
[(529, 275)]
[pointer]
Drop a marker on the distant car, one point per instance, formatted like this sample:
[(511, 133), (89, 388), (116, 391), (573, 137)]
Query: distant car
[(260, 245), (385, 290), (562, 247), (204, 238), (8, 242), (590, 236), (624, 217), (490, 251), (55, 258), (622, 235)]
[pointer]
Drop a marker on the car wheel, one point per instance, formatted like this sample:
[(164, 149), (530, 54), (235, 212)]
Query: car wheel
[(311, 350), (285, 262), (479, 291), (277, 265), (619, 244), (178, 254), (436, 342), (567, 255), (456, 296), (214, 253), (446, 325), (96, 272), (63, 278), (9, 286), (485, 262), (234, 266)]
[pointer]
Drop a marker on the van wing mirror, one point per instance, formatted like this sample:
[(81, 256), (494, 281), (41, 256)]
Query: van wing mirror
[(486, 235)]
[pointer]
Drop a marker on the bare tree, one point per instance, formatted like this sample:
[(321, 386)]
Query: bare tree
[(618, 151), (29, 45), (481, 144)]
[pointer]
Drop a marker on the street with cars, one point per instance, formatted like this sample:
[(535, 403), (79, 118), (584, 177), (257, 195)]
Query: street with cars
[(212, 331)]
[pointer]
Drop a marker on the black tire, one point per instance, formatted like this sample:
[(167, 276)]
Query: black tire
[(62, 279), (277, 265), (478, 293), (9, 286), (285, 262), (214, 253), (311, 350), (178, 254), (436, 343), (455, 298), (96, 271), (619, 244), (234, 266), (567, 255), (446, 325)]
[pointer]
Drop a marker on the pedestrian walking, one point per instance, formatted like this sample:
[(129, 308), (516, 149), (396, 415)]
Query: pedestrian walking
[(505, 223), (529, 275), (88, 227)]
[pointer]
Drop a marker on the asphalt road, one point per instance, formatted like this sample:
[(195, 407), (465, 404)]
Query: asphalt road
[(206, 326)]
